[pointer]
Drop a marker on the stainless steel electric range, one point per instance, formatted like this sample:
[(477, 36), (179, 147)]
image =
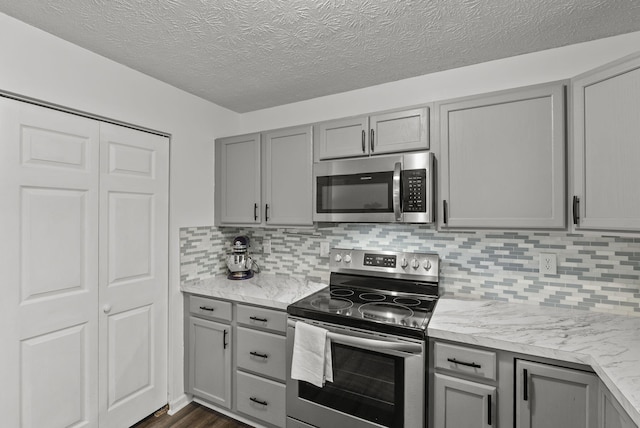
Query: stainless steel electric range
[(376, 311)]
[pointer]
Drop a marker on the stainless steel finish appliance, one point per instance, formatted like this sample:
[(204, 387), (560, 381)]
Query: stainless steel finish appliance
[(376, 310), (384, 189), (239, 263)]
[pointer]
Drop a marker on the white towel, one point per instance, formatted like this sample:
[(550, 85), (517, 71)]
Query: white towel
[(311, 360)]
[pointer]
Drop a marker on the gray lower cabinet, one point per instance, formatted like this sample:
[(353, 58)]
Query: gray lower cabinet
[(210, 361), (550, 396), (462, 403), (612, 415)]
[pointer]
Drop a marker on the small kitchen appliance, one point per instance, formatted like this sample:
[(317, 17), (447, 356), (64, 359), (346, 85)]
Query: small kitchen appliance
[(376, 311), (239, 263)]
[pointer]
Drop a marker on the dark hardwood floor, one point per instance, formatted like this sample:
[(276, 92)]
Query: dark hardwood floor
[(193, 415)]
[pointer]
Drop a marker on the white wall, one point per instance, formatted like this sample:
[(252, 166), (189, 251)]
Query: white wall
[(38, 65), (529, 69)]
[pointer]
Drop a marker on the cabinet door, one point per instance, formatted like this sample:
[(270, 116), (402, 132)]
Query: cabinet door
[(606, 149), (288, 176), (343, 138), (399, 131), (460, 403), (210, 361), (612, 415), (549, 396), (503, 159), (238, 180)]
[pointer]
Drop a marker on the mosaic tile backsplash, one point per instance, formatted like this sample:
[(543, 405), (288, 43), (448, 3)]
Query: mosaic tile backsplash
[(594, 273)]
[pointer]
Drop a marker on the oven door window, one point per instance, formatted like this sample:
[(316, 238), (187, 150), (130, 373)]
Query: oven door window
[(366, 384), (355, 193)]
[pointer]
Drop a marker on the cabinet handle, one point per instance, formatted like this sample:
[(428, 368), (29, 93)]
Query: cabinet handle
[(207, 308), (255, 400), (525, 394), (266, 212), (576, 210), (255, 212), (364, 136), (258, 319), (371, 141), (462, 363), (489, 410), (257, 354), (224, 339), (445, 214)]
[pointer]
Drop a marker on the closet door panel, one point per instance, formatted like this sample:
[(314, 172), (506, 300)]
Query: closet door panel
[(134, 274), (49, 267)]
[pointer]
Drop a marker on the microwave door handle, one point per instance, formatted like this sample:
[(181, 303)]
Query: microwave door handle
[(397, 209)]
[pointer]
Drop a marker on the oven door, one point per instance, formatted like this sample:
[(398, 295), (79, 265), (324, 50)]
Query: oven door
[(378, 381)]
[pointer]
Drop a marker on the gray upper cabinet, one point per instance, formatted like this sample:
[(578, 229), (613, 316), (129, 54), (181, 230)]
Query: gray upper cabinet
[(502, 162), (264, 179), (606, 147), (288, 177), (392, 132), (238, 180)]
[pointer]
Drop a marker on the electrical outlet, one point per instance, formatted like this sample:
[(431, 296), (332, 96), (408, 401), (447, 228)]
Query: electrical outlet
[(266, 246), (324, 249), (548, 264)]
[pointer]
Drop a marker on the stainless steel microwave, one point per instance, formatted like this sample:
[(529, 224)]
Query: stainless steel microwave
[(384, 189)]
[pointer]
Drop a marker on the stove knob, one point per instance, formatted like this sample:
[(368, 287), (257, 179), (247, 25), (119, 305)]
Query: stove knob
[(338, 258), (427, 265), (347, 258), (404, 263), (415, 263)]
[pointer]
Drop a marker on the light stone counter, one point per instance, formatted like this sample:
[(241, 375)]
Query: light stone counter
[(274, 291), (610, 344)]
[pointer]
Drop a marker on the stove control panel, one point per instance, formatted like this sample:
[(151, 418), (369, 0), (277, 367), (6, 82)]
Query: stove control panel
[(389, 263)]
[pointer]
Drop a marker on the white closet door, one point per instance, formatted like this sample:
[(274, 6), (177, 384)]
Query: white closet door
[(134, 168), (48, 267)]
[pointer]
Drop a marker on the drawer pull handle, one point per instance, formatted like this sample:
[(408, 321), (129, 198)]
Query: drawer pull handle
[(462, 363), (489, 410), (258, 319), (224, 339), (207, 308), (257, 354), (525, 393), (255, 400)]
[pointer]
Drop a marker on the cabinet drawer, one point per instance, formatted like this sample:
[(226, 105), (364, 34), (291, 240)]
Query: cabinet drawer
[(470, 361), (210, 308), (262, 353), (269, 319), (261, 398)]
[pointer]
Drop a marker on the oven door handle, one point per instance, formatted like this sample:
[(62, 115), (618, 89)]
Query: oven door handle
[(374, 344)]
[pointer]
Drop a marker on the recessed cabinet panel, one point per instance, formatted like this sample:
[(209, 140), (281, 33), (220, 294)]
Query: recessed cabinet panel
[(54, 383), (606, 148), (53, 241), (503, 160), (124, 159)]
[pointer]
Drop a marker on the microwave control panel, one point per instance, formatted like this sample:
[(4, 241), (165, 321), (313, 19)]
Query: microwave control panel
[(414, 191)]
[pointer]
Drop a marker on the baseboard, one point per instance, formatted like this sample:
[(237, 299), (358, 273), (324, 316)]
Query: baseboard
[(176, 405)]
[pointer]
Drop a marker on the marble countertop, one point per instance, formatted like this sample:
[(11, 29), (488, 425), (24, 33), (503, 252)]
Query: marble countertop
[(271, 290), (609, 343)]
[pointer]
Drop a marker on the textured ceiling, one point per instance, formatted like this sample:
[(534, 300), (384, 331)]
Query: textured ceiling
[(248, 55)]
